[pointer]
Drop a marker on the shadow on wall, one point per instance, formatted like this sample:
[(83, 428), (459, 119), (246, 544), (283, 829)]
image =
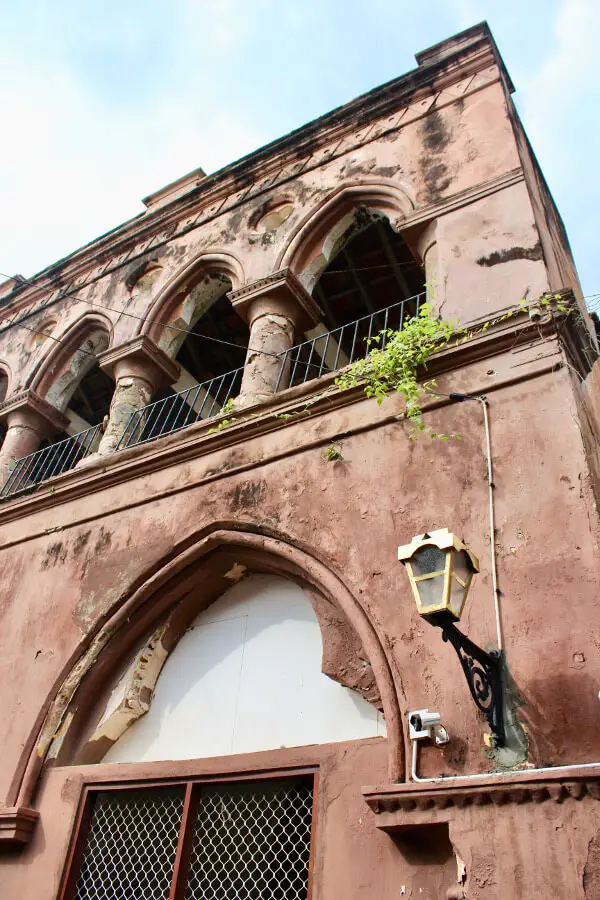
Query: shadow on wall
[(439, 873), (554, 707)]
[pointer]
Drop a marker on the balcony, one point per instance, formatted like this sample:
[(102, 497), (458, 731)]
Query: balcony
[(51, 461), (323, 354)]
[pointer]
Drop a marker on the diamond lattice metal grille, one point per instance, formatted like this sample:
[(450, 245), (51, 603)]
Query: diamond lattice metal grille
[(252, 842), (131, 845)]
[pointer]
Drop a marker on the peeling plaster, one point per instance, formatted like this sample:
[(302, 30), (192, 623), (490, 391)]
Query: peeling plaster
[(236, 572), (134, 694)]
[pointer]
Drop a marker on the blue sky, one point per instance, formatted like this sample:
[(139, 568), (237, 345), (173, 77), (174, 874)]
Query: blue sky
[(103, 103)]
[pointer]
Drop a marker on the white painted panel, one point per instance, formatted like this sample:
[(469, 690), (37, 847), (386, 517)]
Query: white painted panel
[(247, 676)]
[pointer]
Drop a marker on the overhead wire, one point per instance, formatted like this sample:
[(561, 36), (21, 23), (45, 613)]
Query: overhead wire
[(46, 335), (121, 312), (68, 293)]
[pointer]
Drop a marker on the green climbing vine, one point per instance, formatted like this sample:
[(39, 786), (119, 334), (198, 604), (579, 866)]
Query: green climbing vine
[(224, 423), (395, 359), (393, 364)]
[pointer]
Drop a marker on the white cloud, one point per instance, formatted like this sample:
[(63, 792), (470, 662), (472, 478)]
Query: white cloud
[(565, 82), (74, 164), (102, 104), (559, 104)]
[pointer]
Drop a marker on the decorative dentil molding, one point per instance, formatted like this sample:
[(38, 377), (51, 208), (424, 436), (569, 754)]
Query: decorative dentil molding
[(409, 804), (143, 350), (284, 288), (28, 402)]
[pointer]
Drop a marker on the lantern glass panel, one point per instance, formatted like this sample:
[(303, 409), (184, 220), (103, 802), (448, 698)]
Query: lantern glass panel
[(462, 566), (457, 597), (427, 560), (462, 569), (431, 591)]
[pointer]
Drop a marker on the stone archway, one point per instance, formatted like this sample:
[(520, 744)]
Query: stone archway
[(70, 360), (187, 296), (353, 651), (322, 233)]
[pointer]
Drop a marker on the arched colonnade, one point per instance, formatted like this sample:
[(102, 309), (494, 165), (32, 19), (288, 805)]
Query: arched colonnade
[(87, 381)]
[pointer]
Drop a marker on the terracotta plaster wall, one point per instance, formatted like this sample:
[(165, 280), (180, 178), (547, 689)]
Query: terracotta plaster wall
[(347, 842), (58, 587), (588, 403), (554, 239), (516, 850), (490, 256), (530, 850)]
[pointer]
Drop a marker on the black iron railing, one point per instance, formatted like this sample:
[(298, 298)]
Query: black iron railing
[(333, 350), (50, 461), (323, 354), (202, 401)]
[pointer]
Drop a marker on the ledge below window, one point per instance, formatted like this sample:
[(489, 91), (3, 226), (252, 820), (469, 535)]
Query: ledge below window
[(409, 805), (16, 825)]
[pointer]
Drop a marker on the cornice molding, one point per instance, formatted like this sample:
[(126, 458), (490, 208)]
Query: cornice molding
[(464, 198), (17, 824), (359, 123), (400, 806)]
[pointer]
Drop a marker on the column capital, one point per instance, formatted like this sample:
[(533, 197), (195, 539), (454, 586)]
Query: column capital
[(280, 293), (29, 410), (140, 356)]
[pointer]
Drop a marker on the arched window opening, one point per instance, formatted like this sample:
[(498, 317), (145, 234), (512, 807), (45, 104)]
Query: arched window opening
[(211, 356), (372, 282), (373, 271), (207, 352), (256, 650), (87, 408), (90, 401), (75, 386)]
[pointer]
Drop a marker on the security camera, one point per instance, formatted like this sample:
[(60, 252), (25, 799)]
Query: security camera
[(425, 724), (422, 719)]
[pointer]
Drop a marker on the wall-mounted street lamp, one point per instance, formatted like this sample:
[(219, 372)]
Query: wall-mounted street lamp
[(440, 568)]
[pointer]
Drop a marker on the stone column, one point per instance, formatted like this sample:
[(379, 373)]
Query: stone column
[(278, 310), (139, 369), (29, 420)]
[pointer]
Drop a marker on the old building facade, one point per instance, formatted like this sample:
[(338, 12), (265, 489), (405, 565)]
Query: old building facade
[(209, 649)]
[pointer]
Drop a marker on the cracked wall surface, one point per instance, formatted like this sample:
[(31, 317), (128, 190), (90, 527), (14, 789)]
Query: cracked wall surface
[(98, 569)]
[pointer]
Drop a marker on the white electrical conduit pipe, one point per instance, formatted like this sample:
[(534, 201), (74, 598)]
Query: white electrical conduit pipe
[(492, 520), (490, 480), (555, 770)]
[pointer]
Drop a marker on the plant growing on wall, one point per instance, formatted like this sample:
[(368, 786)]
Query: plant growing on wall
[(395, 357), (224, 423), (332, 453), (394, 365)]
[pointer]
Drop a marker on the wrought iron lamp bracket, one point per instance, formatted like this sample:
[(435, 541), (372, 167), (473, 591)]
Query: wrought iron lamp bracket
[(483, 672)]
